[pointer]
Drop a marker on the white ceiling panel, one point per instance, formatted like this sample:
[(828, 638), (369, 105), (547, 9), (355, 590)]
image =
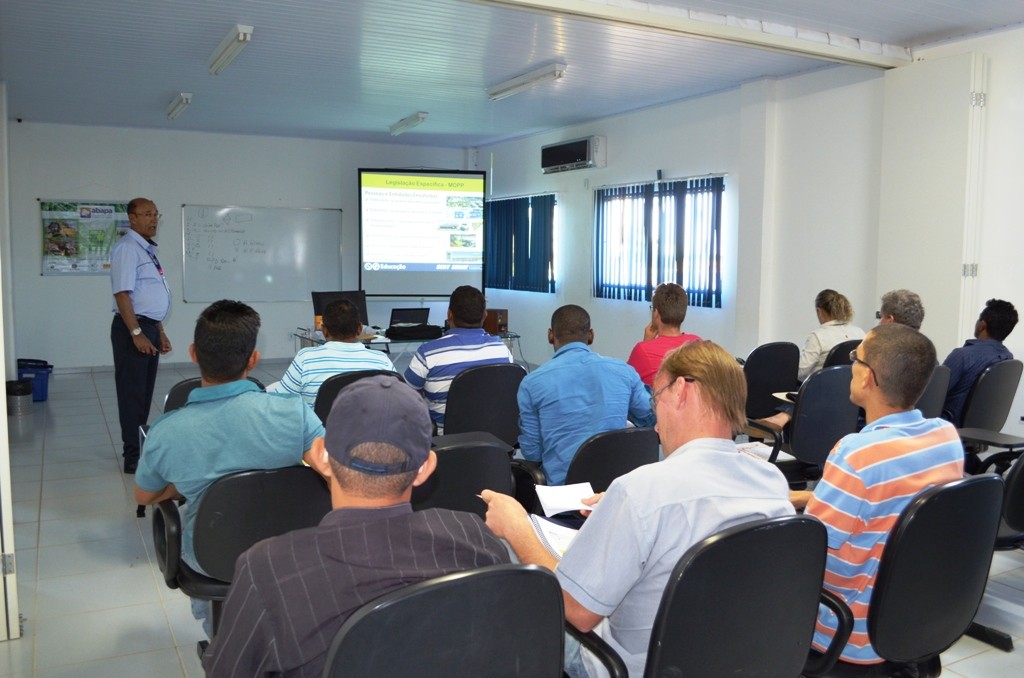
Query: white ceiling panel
[(333, 69)]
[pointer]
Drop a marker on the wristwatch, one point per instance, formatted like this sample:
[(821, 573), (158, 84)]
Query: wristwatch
[(137, 331)]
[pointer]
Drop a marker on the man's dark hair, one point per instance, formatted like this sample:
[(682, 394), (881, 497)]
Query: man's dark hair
[(341, 318), (374, 485), (570, 323), (670, 301), (903, 360), (467, 306), (225, 338), (1000, 318)]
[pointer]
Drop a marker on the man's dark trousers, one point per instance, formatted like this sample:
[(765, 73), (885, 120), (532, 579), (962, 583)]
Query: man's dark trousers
[(135, 379)]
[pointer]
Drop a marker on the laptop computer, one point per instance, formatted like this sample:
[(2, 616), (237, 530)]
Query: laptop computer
[(405, 317)]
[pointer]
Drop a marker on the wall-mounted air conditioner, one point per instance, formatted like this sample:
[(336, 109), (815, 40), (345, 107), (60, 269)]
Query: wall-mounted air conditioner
[(573, 155)]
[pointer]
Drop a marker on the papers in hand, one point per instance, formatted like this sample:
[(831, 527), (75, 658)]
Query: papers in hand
[(556, 499), (762, 451), (555, 538)]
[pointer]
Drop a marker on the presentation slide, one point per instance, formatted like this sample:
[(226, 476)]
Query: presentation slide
[(421, 232)]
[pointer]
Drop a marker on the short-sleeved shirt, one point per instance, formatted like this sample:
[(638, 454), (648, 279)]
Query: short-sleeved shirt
[(292, 593), (313, 365), (965, 366), (571, 397), (134, 268), (436, 363), (220, 430), (619, 563), (647, 355), (869, 478)]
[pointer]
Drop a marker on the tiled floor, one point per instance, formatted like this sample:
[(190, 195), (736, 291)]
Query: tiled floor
[(93, 601)]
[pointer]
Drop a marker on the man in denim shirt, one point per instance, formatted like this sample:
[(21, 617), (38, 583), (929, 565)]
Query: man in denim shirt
[(966, 364)]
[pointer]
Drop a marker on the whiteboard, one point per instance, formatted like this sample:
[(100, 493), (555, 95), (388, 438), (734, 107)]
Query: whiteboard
[(259, 253)]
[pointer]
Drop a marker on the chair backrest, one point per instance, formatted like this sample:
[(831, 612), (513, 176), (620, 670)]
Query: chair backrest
[(770, 368), (822, 415), (742, 602), (1011, 531), (605, 456), (240, 509), (178, 395), (331, 386), (501, 620), (466, 464), (934, 397), (989, 401), (934, 568), (483, 398), (840, 353)]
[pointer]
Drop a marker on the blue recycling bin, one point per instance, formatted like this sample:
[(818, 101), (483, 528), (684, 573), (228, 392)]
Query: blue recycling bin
[(38, 371)]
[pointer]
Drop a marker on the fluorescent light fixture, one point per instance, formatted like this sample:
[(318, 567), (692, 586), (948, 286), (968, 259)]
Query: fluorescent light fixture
[(525, 81), (237, 38), (178, 105), (406, 124)]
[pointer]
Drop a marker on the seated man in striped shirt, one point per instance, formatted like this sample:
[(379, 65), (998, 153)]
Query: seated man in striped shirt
[(465, 345), (341, 352), (871, 476)]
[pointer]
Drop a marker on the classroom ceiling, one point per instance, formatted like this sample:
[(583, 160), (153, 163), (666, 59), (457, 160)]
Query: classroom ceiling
[(349, 69)]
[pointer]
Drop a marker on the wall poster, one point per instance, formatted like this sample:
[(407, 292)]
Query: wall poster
[(78, 235)]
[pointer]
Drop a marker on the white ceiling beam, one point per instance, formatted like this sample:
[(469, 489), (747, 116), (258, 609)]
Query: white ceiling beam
[(674, 20)]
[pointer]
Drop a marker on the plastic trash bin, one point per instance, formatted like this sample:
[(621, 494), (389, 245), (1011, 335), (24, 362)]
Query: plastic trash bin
[(38, 371)]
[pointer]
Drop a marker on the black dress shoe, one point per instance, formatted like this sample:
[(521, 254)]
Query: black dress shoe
[(130, 465)]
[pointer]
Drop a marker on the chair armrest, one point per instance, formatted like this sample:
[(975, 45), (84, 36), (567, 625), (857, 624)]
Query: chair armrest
[(991, 438), (604, 653), (526, 475), (167, 540), (819, 665), (776, 437)]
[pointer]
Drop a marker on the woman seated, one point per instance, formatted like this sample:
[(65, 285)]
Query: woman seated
[(834, 313)]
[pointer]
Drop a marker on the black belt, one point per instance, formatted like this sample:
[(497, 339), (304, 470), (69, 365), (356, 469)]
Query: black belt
[(143, 320)]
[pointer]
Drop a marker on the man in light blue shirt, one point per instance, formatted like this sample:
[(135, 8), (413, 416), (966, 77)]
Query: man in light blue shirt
[(574, 395), (141, 302), (227, 425)]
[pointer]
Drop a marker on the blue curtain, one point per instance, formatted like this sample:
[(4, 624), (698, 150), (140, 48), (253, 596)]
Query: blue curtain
[(647, 234), (520, 244)]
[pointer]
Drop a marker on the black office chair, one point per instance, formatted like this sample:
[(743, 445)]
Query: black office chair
[(1009, 537), (501, 620), (605, 456), (770, 368), (822, 415), (744, 602), (331, 386), (467, 463), (840, 353), (934, 397), (484, 399), (235, 512), (931, 577), (985, 411)]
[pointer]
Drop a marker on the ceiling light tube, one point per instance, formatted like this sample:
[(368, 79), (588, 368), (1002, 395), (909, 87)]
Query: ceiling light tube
[(178, 105), (524, 82), (229, 47), (406, 124)]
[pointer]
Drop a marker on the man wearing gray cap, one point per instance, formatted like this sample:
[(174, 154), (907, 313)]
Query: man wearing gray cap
[(291, 594)]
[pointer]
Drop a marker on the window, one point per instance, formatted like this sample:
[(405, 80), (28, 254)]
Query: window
[(520, 244), (647, 234)]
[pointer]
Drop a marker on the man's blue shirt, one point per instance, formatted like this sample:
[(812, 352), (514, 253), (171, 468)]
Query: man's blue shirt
[(571, 397), (965, 366)]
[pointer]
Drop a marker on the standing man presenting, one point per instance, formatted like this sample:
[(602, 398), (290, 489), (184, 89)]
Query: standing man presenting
[(141, 302)]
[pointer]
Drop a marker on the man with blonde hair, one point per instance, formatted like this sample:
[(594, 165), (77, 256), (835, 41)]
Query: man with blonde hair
[(616, 569)]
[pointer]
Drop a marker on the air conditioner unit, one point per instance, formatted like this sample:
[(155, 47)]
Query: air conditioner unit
[(573, 155)]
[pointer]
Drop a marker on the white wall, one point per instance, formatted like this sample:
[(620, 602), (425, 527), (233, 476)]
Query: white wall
[(66, 320), (1001, 238), (799, 213)]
